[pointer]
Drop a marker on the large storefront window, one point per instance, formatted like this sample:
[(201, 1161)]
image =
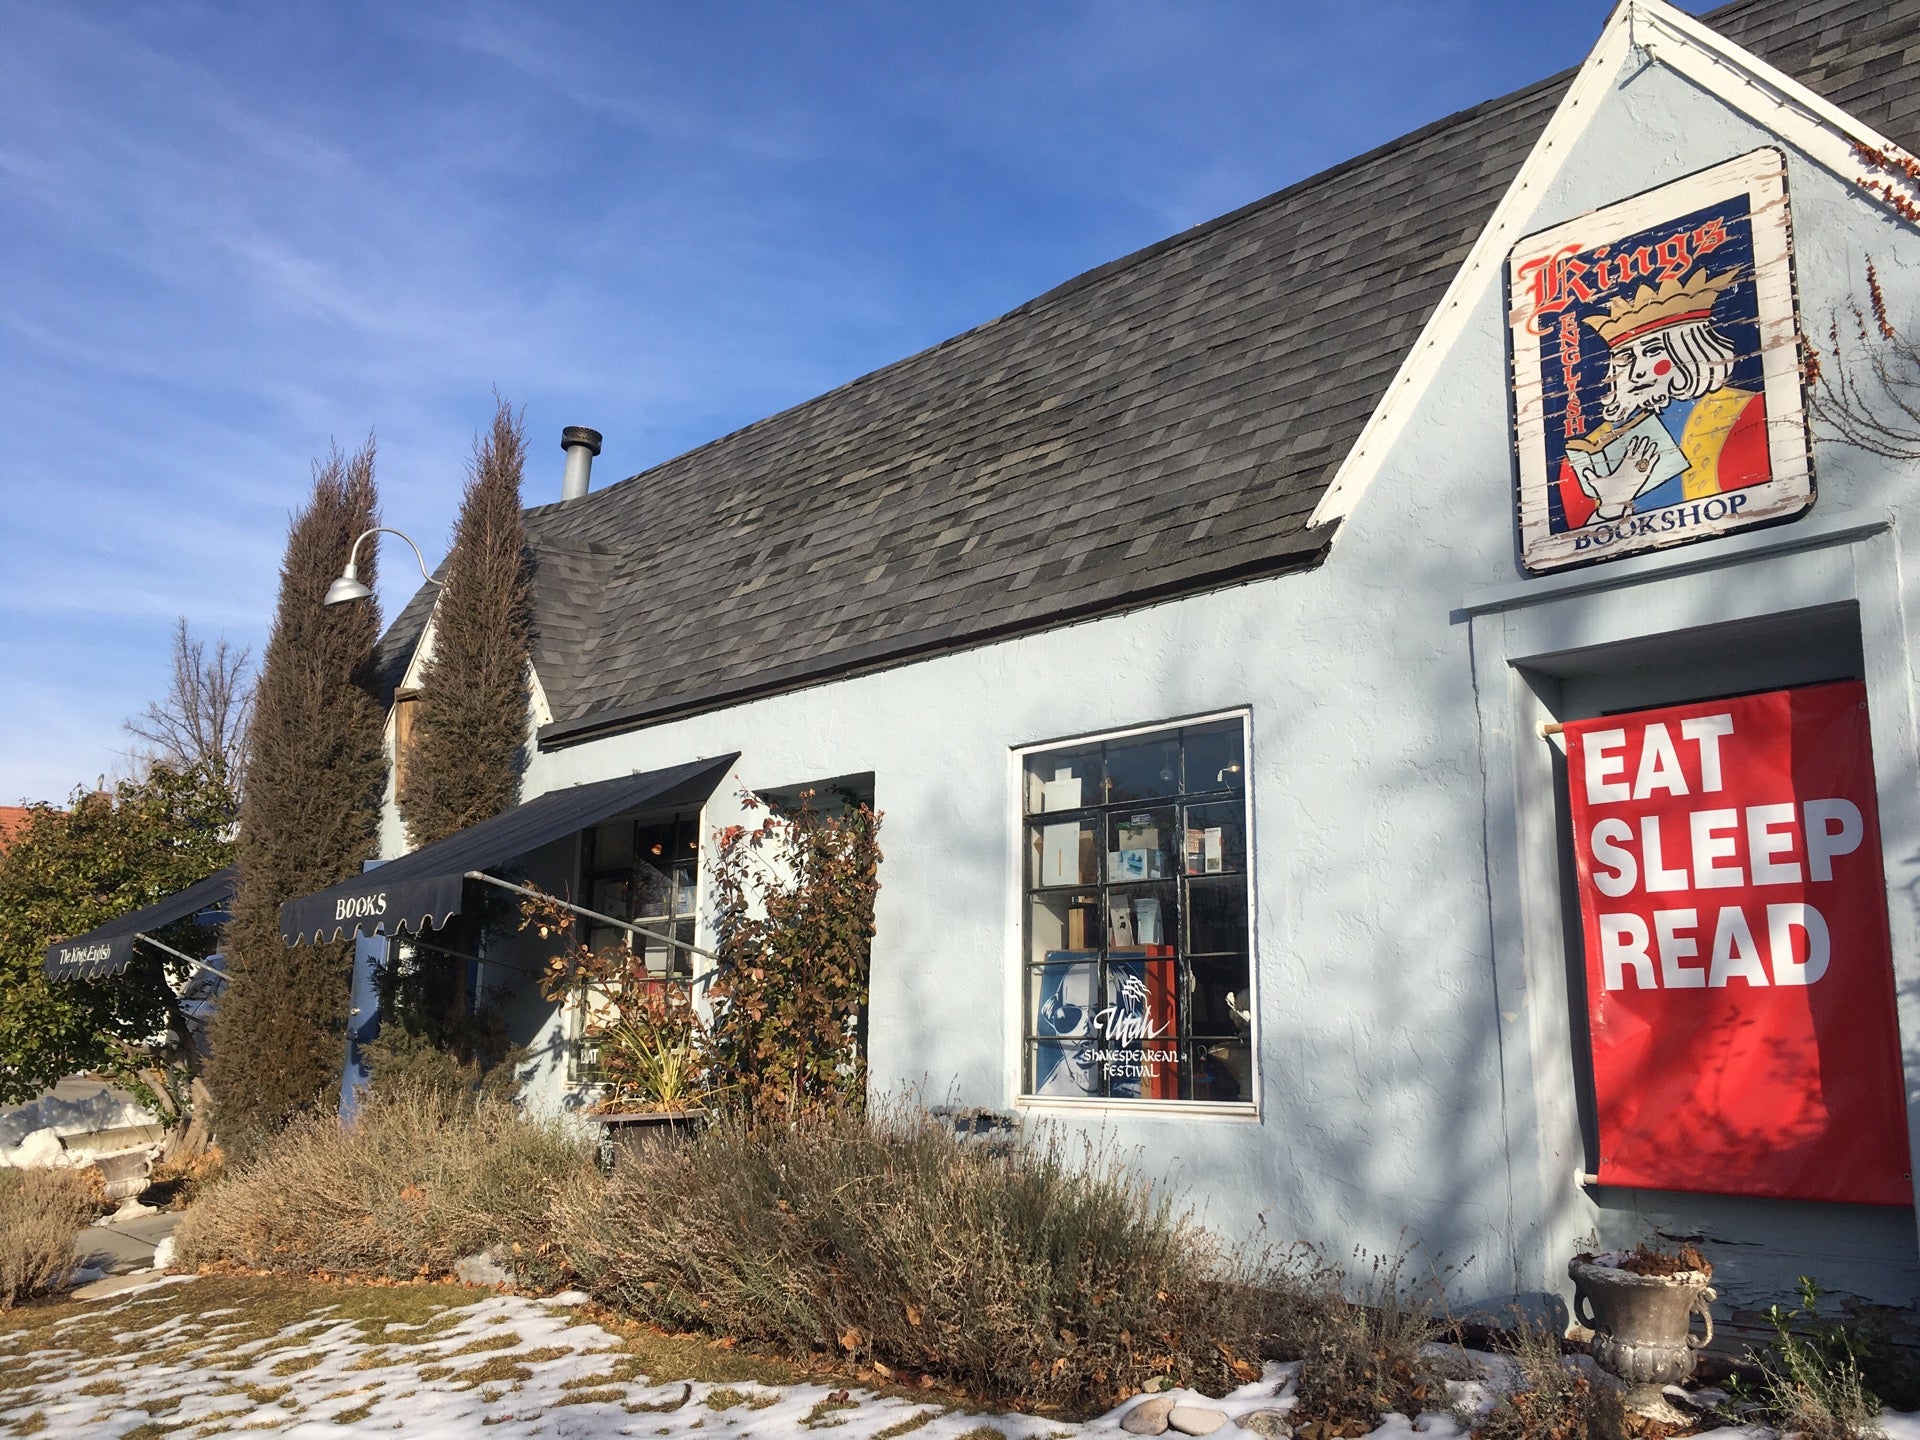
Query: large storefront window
[(1137, 959), (648, 872)]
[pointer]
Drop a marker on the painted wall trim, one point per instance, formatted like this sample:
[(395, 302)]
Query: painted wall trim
[(1635, 570)]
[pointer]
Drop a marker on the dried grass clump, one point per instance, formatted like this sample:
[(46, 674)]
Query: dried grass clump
[(184, 1181), (415, 1184), (1021, 1275), (39, 1212), (1366, 1358), (1821, 1400), (1550, 1397)]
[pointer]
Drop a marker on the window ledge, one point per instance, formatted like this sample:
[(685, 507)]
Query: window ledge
[(1216, 1109)]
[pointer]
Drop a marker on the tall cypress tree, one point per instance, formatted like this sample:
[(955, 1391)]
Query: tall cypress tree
[(464, 761), (309, 818)]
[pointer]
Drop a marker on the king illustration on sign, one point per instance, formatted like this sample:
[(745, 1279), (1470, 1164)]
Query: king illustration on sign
[(1657, 394)]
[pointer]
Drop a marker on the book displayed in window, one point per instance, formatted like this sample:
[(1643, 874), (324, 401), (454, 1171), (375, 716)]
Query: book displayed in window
[(1137, 943)]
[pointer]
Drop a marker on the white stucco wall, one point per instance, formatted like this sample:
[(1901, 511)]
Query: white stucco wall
[(1414, 1073)]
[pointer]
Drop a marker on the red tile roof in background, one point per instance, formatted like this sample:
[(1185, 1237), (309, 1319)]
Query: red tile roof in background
[(13, 819)]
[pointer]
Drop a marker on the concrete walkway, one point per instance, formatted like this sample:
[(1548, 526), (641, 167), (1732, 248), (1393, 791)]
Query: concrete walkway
[(122, 1247)]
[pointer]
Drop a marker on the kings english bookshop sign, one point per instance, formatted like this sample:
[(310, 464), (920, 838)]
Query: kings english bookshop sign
[(1740, 992), (1656, 380)]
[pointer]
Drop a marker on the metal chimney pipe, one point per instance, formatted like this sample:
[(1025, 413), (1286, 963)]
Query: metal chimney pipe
[(581, 445)]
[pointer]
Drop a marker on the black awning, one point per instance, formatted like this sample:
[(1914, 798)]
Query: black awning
[(424, 889), (106, 949)]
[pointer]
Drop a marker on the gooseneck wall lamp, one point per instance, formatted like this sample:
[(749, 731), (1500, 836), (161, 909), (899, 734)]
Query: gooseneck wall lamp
[(350, 586)]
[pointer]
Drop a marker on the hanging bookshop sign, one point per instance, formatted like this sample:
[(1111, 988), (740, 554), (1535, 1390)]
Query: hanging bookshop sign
[(1739, 974), (1656, 377)]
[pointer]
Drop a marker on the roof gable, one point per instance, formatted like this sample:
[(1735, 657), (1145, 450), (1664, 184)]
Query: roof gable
[(1664, 36)]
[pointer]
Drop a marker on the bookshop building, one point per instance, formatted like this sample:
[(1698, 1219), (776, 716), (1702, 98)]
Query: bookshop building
[(1398, 704)]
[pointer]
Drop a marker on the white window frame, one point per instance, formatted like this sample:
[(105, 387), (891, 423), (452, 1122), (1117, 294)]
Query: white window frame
[(1016, 958)]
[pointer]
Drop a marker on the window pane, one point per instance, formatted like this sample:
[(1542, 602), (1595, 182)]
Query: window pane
[(1143, 918), (1145, 769), (655, 952), (686, 876), (1064, 853), (1065, 921), (1216, 758), (654, 889), (1222, 1070), (1140, 1002), (613, 846), (1064, 999), (1063, 780), (612, 895), (1140, 845), (1064, 1068), (1215, 839), (1218, 918), (1219, 998)]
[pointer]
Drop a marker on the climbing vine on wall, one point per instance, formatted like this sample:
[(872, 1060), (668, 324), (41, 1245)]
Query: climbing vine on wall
[(794, 898)]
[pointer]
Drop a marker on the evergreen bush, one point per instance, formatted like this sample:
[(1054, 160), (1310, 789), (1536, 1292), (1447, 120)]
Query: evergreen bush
[(464, 760), (309, 819), (465, 751)]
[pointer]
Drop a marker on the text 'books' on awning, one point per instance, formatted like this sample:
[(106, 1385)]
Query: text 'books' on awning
[(425, 888)]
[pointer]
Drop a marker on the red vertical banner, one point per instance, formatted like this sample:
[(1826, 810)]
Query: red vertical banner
[(1739, 970)]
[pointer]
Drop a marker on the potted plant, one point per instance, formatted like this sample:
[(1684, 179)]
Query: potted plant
[(1640, 1306), (652, 1055)]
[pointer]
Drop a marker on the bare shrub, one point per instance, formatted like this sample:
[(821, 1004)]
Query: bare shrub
[(1812, 1380), (39, 1212), (1550, 1398), (181, 1182), (1024, 1275), (417, 1182), (1365, 1358)]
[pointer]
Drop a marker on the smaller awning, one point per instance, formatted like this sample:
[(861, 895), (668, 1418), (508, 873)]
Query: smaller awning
[(106, 949), (425, 888)]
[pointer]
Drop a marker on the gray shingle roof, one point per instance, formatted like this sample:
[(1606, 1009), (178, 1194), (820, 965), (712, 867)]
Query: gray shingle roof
[(1159, 426)]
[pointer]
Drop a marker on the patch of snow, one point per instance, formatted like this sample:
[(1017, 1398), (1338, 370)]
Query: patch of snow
[(163, 1253), (30, 1134), (40, 1150), (354, 1387)]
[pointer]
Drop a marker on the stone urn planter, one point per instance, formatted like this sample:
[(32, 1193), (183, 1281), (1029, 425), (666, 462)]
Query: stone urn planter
[(1642, 1324)]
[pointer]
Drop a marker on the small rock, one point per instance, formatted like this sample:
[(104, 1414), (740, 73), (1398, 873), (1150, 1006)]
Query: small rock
[(1149, 1417), (1270, 1423), (1195, 1419), (482, 1269)]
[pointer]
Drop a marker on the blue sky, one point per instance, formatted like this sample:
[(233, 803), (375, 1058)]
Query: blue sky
[(231, 235)]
